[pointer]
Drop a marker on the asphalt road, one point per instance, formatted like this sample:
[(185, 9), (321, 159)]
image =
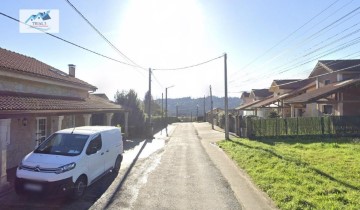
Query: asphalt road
[(179, 176)]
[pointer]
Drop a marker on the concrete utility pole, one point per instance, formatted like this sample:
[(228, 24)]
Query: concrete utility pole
[(226, 100), (211, 110), (166, 112), (204, 110), (162, 111), (166, 109), (177, 110), (197, 112), (149, 106)]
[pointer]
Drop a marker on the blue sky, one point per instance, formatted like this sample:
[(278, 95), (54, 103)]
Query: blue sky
[(177, 33)]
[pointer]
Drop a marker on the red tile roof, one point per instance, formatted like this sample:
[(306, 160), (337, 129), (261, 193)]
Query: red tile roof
[(12, 61), (25, 103)]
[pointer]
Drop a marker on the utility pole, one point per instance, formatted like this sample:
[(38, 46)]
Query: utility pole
[(211, 110), (166, 114), (226, 100), (197, 112), (162, 111), (204, 110), (149, 106), (177, 111)]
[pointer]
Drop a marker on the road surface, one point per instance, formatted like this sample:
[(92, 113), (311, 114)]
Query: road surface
[(172, 172), (179, 176)]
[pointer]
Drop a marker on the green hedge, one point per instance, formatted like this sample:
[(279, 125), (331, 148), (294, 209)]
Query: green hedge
[(329, 125)]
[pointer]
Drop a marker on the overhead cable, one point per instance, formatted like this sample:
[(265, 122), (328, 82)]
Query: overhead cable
[(187, 67), (288, 36), (69, 42), (102, 36), (316, 34)]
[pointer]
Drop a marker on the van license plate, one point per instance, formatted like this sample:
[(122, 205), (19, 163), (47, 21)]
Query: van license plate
[(33, 187)]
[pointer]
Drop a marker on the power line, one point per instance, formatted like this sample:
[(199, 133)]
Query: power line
[(69, 42), (187, 67), (157, 81), (329, 65), (318, 33), (288, 36), (311, 37), (343, 69), (102, 36)]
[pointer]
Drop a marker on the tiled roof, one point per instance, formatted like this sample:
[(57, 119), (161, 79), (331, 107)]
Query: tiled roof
[(322, 92), (250, 104), (244, 94), (26, 103), (346, 65), (12, 61), (261, 92), (292, 83)]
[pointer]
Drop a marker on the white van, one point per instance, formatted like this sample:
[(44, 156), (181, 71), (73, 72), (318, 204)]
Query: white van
[(70, 160)]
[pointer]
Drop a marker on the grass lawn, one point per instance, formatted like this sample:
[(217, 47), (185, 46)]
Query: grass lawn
[(302, 173)]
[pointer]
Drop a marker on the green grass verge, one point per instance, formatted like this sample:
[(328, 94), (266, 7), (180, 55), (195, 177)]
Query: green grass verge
[(302, 174)]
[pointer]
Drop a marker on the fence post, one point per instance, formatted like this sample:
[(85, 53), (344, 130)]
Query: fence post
[(286, 126), (322, 125), (297, 126)]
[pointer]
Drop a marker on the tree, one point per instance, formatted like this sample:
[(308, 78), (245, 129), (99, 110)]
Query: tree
[(273, 114), (155, 107), (129, 100)]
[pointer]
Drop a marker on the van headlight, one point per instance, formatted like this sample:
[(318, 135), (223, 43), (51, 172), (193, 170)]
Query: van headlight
[(66, 168), (20, 166)]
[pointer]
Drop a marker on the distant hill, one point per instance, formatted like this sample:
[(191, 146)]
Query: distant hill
[(188, 105)]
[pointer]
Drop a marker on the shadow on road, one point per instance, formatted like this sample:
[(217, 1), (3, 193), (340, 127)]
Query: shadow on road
[(118, 188)]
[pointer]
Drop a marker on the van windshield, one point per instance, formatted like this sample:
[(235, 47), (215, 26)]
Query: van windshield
[(63, 144)]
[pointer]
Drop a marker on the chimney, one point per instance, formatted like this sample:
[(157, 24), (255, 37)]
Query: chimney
[(71, 70)]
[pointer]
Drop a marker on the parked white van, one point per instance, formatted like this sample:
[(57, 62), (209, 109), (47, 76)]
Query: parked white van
[(70, 160)]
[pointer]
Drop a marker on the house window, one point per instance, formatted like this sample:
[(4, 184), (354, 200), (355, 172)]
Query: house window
[(40, 129), (327, 109), (327, 82)]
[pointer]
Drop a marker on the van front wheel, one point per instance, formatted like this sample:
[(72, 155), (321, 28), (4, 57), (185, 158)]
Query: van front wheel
[(79, 188)]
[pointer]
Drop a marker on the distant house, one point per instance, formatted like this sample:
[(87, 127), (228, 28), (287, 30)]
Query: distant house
[(332, 88), (37, 99), (336, 90), (281, 90), (216, 115), (254, 97)]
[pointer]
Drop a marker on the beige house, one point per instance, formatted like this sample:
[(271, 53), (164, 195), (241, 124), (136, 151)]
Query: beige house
[(36, 100), (336, 90), (332, 88), (249, 99)]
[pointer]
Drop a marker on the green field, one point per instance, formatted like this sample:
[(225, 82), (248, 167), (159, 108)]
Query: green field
[(302, 173)]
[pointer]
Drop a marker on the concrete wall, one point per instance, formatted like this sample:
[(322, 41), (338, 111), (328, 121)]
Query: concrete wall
[(22, 140)]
